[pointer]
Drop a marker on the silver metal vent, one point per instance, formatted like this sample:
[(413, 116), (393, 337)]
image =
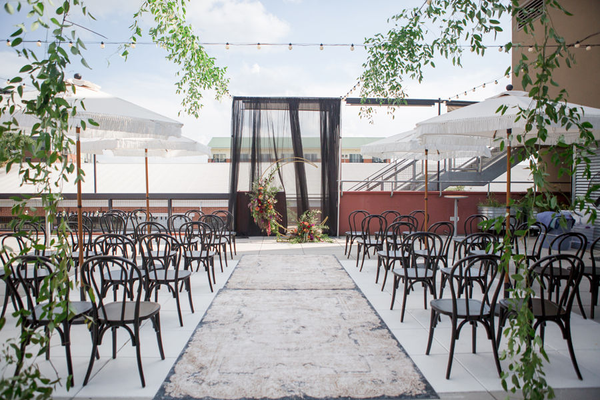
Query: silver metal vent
[(529, 12)]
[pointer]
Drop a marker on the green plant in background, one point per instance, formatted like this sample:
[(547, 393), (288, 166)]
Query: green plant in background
[(405, 51), (39, 152)]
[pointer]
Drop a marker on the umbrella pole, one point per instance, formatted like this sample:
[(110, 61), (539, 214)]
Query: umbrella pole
[(426, 225), (147, 190), (507, 217), (79, 211)]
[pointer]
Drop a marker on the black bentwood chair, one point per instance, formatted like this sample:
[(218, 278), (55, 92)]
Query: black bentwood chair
[(393, 249), (592, 273), (41, 308), (564, 267), (196, 240), (161, 254), (370, 237), (419, 266), (464, 310), (129, 311), (354, 223)]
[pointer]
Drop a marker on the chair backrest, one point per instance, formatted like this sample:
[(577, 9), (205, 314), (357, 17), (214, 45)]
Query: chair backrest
[(196, 236), (483, 269), (476, 241), (227, 217), (472, 223), (175, 221), (423, 249), (33, 236), (420, 216), (531, 238), (396, 232), (390, 216), (595, 256), (11, 246), (97, 272), (410, 219), (445, 230), (194, 214), (146, 228), (114, 244), (569, 241), (216, 223), (136, 217), (355, 219), (113, 222), (159, 251), (544, 273), (372, 227), (73, 237), (25, 280), (87, 221)]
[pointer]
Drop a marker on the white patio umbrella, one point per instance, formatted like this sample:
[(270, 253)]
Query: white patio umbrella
[(407, 145), (168, 148), (116, 118), (483, 120)]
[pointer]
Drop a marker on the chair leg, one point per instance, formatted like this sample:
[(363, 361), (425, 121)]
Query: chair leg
[(209, 279), (138, 353), (94, 353), (432, 324), (404, 296), (176, 294), (188, 285), (571, 350), (394, 288), (67, 344), (358, 246), (452, 346), (156, 323), (579, 302)]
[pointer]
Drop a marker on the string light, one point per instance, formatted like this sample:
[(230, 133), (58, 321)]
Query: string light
[(588, 48), (290, 46), (39, 43), (70, 44), (530, 49), (577, 45), (352, 47), (500, 49), (8, 42), (258, 46), (321, 46), (496, 81), (102, 45), (227, 46), (133, 45)]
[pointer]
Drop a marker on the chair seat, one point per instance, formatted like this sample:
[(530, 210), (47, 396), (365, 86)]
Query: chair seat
[(196, 254), (168, 275), (414, 273), (79, 308), (477, 275), (117, 275), (539, 307), (397, 254), (444, 306), (114, 312)]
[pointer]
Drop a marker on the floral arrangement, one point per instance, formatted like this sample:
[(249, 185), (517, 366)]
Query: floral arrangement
[(262, 204), (309, 229)]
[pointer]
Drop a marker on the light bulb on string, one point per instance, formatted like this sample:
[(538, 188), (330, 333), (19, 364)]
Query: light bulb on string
[(530, 49), (473, 90), (577, 45), (321, 46), (352, 47), (39, 43), (70, 44), (102, 45), (588, 48), (258, 46), (496, 81), (133, 45), (290, 46), (227, 46), (500, 49)]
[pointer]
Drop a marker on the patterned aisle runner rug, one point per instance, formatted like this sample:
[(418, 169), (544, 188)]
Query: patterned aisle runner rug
[(293, 327)]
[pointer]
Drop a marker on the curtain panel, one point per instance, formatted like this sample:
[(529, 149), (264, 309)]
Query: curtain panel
[(267, 129)]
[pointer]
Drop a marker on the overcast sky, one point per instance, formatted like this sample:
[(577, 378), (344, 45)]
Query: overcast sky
[(147, 79)]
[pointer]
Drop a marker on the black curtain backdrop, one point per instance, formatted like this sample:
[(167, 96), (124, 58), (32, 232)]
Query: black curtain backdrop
[(266, 129)]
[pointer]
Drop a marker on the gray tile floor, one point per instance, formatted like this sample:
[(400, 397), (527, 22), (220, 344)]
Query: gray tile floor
[(473, 375)]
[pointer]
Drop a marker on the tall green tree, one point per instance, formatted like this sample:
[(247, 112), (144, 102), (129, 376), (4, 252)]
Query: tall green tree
[(410, 47), (39, 152)]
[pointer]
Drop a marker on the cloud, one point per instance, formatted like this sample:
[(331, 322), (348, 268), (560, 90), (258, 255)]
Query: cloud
[(235, 21)]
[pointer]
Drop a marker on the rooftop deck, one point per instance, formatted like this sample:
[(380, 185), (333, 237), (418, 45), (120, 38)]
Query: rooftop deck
[(473, 375)]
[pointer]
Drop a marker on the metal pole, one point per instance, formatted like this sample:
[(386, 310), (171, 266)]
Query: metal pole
[(426, 227), (79, 207), (147, 190), (507, 236)]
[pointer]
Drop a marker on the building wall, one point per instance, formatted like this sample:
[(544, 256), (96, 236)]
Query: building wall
[(582, 80)]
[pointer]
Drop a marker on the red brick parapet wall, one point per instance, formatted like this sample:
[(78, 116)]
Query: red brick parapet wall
[(440, 208)]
